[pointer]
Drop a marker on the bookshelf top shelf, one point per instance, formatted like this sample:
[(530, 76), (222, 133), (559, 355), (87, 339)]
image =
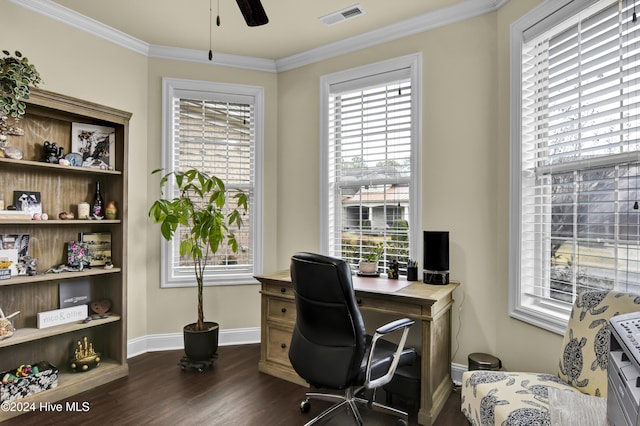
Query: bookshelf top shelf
[(9, 162)]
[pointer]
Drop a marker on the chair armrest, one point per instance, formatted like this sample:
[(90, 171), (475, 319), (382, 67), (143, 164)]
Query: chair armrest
[(401, 324), (395, 325)]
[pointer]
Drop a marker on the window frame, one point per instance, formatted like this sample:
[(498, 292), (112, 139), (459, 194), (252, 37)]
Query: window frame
[(547, 315), (216, 91), (414, 63)]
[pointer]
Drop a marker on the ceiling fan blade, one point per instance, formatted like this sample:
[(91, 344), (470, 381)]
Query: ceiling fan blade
[(253, 12)]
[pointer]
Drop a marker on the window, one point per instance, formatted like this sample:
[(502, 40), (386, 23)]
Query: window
[(370, 168), (216, 128), (575, 157)]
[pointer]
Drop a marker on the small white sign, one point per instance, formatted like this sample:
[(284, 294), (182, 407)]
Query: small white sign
[(62, 316)]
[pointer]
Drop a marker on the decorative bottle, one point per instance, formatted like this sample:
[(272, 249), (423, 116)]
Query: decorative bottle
[(97, 206)]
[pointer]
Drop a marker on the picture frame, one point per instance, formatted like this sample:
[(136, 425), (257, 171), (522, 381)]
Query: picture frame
[(74, 293), (28, 201), (95, 143), (12, 248), (99, 247), (77, 254)]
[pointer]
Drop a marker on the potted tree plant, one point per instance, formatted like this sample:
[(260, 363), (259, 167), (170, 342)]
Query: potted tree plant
[(17, 76), (198, 212)]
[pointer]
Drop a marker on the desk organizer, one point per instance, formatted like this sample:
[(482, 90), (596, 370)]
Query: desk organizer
[(46, 378)]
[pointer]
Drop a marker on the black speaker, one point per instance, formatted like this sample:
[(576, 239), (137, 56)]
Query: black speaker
[(436, 257)]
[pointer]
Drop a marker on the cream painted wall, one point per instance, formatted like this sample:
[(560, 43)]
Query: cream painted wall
[(458, 86), (77, 64), (231, 306), (523, 346), (465, 160)]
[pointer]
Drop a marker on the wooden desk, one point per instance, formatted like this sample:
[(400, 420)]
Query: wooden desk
[(429, 304)]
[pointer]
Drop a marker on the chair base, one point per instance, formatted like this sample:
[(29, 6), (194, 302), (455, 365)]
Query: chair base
[(349, 399)]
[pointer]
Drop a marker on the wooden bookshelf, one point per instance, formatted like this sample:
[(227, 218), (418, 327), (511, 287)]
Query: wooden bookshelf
[(49, 118)]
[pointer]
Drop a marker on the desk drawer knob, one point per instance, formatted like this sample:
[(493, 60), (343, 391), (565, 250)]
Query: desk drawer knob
[(283, 290), (283, 345), (283, 310), (359, 301)]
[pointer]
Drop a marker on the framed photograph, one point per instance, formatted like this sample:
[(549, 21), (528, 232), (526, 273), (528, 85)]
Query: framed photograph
[(28, 202), (99, 247), (96, 144), (12, 248)]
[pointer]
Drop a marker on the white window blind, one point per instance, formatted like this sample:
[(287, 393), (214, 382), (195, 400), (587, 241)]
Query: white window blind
[(214, 132), (370, 147), (579, 219)]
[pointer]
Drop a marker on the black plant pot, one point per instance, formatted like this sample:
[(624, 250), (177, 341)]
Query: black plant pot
[(201, 345)]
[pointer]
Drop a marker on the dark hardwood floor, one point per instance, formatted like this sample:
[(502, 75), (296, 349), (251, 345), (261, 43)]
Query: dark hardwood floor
[(233, 392)]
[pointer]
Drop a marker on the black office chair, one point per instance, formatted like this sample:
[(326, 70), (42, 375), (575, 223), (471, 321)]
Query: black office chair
[(330, 347)]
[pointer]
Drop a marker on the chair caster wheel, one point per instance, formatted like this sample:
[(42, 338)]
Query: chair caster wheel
[(401, 422), (305, 406)]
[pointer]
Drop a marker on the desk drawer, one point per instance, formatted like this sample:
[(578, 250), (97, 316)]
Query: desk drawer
[(389, 306), (283, 290), (278, 340), (281, 309)]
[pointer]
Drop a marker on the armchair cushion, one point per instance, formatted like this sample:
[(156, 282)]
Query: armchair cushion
[(584, 350), (501, 398), (513, 398)]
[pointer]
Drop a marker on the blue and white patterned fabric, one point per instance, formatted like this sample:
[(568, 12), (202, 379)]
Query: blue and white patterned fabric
[(504, 398)]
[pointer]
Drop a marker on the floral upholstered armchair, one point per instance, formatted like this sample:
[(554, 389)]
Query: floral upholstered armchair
[(505, 398)]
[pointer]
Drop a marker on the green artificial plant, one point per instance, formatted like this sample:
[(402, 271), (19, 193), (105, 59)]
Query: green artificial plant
[(199, 209), (17, 76)]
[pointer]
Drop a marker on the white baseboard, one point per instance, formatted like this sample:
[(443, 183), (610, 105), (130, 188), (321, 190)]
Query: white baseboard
[(237, 336), (173, 341), (456, 373)]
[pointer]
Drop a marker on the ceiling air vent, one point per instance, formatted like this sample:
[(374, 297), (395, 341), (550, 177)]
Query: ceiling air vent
[(343, 15)]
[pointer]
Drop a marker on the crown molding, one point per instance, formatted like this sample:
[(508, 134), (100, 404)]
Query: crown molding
[(441, 17), (74, 19), (221, 59), (445, 16)]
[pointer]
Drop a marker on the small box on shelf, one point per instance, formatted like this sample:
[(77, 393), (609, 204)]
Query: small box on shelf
[(5, 273), (40, 377)]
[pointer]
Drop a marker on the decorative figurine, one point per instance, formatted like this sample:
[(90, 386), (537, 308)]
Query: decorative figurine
[(27, 266), (101, 308), (52, 153), (111, 210), (392, 274), (84, 357)]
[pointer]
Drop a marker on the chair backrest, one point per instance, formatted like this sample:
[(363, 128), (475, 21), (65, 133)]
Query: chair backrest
[(585, 348), (329, 337)]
